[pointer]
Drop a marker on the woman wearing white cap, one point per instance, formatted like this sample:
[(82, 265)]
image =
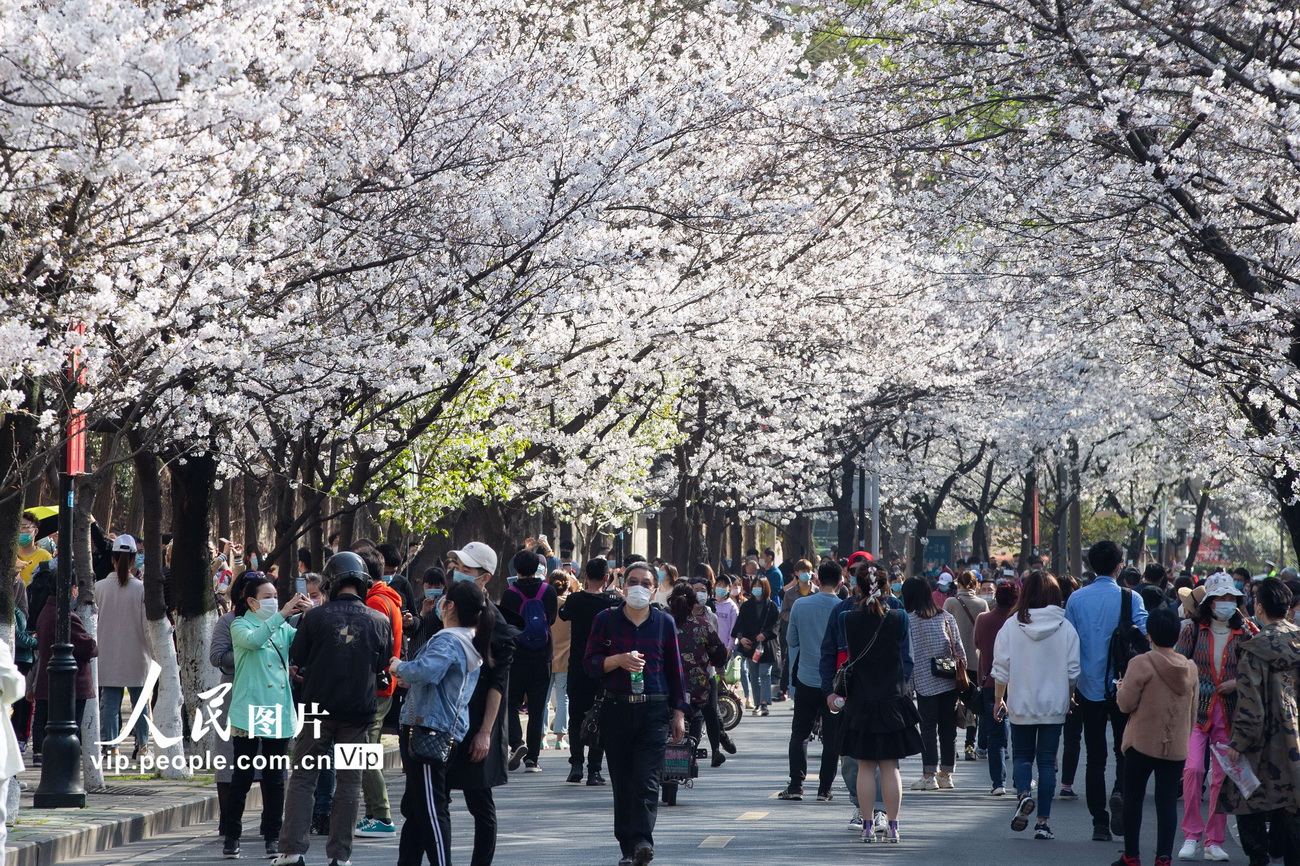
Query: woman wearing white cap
[(1210, 638), (124, 660)]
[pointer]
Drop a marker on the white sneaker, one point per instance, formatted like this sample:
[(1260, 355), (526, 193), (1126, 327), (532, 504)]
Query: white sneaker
[(999, 791), (880, 823), (944, 780), (855, 823), (1188, 851), (925, 783), (1212, 852), (289, 860)]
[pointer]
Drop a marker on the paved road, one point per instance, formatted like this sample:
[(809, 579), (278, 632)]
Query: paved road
[(730, 817)]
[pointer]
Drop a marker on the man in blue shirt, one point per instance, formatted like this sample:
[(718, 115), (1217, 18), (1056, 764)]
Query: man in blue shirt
[(1094, 611), (808, 620)]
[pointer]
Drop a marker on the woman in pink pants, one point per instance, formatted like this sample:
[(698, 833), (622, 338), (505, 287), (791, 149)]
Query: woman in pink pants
[(1210, 638)]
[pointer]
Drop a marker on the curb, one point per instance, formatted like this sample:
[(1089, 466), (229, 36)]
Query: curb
[(95, 836)]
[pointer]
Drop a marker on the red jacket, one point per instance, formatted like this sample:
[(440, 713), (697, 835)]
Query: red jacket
[(385, 599)]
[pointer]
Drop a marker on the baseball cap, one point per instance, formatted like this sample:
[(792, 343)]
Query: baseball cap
[(945, 579), (476, 554), (124, 544)]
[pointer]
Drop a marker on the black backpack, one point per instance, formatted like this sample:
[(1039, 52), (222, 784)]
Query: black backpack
[(1126, 642)]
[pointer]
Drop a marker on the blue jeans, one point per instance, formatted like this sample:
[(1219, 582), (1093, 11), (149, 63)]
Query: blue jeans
[(560, 694), (110, 714), (996, 734), (1030, 742), (760, 681)]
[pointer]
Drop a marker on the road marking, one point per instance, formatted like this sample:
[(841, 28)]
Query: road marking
[(752, 816), (716, 841)]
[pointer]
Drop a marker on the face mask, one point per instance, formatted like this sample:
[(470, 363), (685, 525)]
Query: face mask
[(638, 597), (252, 564), (460, 575), (660, 572), (433, 593), (139, 562), (1223, 610), (987, 598), (388, 578), (805, 576), (315, 602), (720, 592), (896, 587), (24, 539), (264, 611), (1238, 585), (512, 580), (701, 597), (758, 592), (735, 591)]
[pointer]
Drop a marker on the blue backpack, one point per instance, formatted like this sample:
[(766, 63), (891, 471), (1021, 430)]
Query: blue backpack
[(537, 631)]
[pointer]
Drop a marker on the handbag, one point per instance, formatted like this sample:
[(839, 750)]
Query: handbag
[(589, 731), (949, 667), (844, 676)]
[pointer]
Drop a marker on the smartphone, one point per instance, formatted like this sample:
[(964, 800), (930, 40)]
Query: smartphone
[(300, 585)]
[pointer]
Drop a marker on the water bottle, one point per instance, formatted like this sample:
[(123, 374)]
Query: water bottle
[(638, 677), (837, 703)]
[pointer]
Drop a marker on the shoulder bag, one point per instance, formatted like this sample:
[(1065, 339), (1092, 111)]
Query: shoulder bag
[(945, 667), (431, 744), (589, 731)]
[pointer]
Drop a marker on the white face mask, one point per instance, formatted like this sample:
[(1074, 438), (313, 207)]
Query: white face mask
[(638, 597), (264, 611), (701, 597), (1223, 610)]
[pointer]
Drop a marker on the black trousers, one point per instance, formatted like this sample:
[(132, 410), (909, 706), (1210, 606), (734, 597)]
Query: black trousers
[(1071, 746), (938, 730), (634, 736), (426, 832), (483, 809), (530, 677), (1095, 715), (1138, 768), (582, 694), (784, 648), (1255, 838), (241, 779), (809, 703)]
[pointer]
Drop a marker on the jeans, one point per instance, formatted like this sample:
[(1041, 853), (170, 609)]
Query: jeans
[(759, 675), (996, 732), (530, 677), (1095, 715), (110, 714), (374, 791), (809, 703), (241, 779), (582, 694), (634, 736), (1194, 825), (1030, 743), (938, 731), (301, 793), (559, 694), (1137, 769), (426, 830)]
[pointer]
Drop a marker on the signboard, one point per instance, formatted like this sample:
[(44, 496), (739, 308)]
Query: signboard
[(938, 549)]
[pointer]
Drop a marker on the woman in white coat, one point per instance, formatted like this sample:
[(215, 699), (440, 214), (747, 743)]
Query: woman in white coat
[(12, 687), (123, 659), (1035, 665)]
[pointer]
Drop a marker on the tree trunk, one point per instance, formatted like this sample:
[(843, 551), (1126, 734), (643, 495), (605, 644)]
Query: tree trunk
[(846, 518), (1194, 546), (1028, 503), (252, 488)]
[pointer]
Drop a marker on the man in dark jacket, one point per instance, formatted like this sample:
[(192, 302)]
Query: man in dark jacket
[(339, 649), (479, 764), (530, 674), (580, 611)]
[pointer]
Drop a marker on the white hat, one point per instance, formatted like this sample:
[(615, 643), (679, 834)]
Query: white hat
[(945, 579), (476, 554), (124, 544), (1220, 584)]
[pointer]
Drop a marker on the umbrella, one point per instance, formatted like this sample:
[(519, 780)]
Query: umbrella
[(47, 519)]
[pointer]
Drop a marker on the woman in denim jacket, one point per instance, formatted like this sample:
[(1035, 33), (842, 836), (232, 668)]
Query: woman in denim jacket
[(441, 679)]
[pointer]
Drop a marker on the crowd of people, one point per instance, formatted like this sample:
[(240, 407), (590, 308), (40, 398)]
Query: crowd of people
[(609, 661)]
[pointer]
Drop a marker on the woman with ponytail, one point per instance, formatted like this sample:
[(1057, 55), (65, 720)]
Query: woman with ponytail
[(123, 660), (441, 678)]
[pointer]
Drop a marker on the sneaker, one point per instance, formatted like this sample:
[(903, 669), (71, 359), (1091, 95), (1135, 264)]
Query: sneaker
[(271, 853), (998, 791), (1162, 860), (880, 823), (531, 767), (575, 776), (516, 757), (373, 828), (891, 835), (970, 753), (762, 711), (36, 759), (944, 780), (1117, 814), (1067, 793), (824, 796), (1044, 832), (291, 860), (717, 760), (230, 849), (338, 863), (981, 753), (856, 822), (642, 855), (727, 745), (1212, 852), (791, 792), (1101, 833), (1188, 851), (925, 783), (1024, 809), (1127, 860), (320, 825), (595, 779)]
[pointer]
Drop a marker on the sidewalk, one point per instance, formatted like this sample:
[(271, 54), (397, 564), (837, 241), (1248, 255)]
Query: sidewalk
[(129, 810)]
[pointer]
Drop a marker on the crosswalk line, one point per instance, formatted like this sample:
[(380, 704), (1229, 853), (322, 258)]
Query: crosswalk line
[(716, 841)]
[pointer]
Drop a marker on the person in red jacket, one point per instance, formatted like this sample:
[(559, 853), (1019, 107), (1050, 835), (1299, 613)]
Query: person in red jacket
[(84, 648), (378, 820)]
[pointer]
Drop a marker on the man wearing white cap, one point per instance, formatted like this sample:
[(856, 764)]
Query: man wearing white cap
[(479, 764)]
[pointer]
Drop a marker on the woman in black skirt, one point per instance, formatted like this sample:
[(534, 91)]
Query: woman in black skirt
[(880, 721)]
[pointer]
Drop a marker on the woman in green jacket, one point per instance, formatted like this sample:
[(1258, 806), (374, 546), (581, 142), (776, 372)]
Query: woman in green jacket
[(261, 706)]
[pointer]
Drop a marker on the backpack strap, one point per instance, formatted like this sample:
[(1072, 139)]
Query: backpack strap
[(541, 591)]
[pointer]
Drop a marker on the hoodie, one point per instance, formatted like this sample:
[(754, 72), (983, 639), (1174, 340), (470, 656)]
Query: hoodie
[(1039, 663), (1159, 694), (387, 601), (442, 677)]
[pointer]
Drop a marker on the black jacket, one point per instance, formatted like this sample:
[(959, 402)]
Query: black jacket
[(580, 611), (512, 604), (462, 773), (339, 648), (755, 618)]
